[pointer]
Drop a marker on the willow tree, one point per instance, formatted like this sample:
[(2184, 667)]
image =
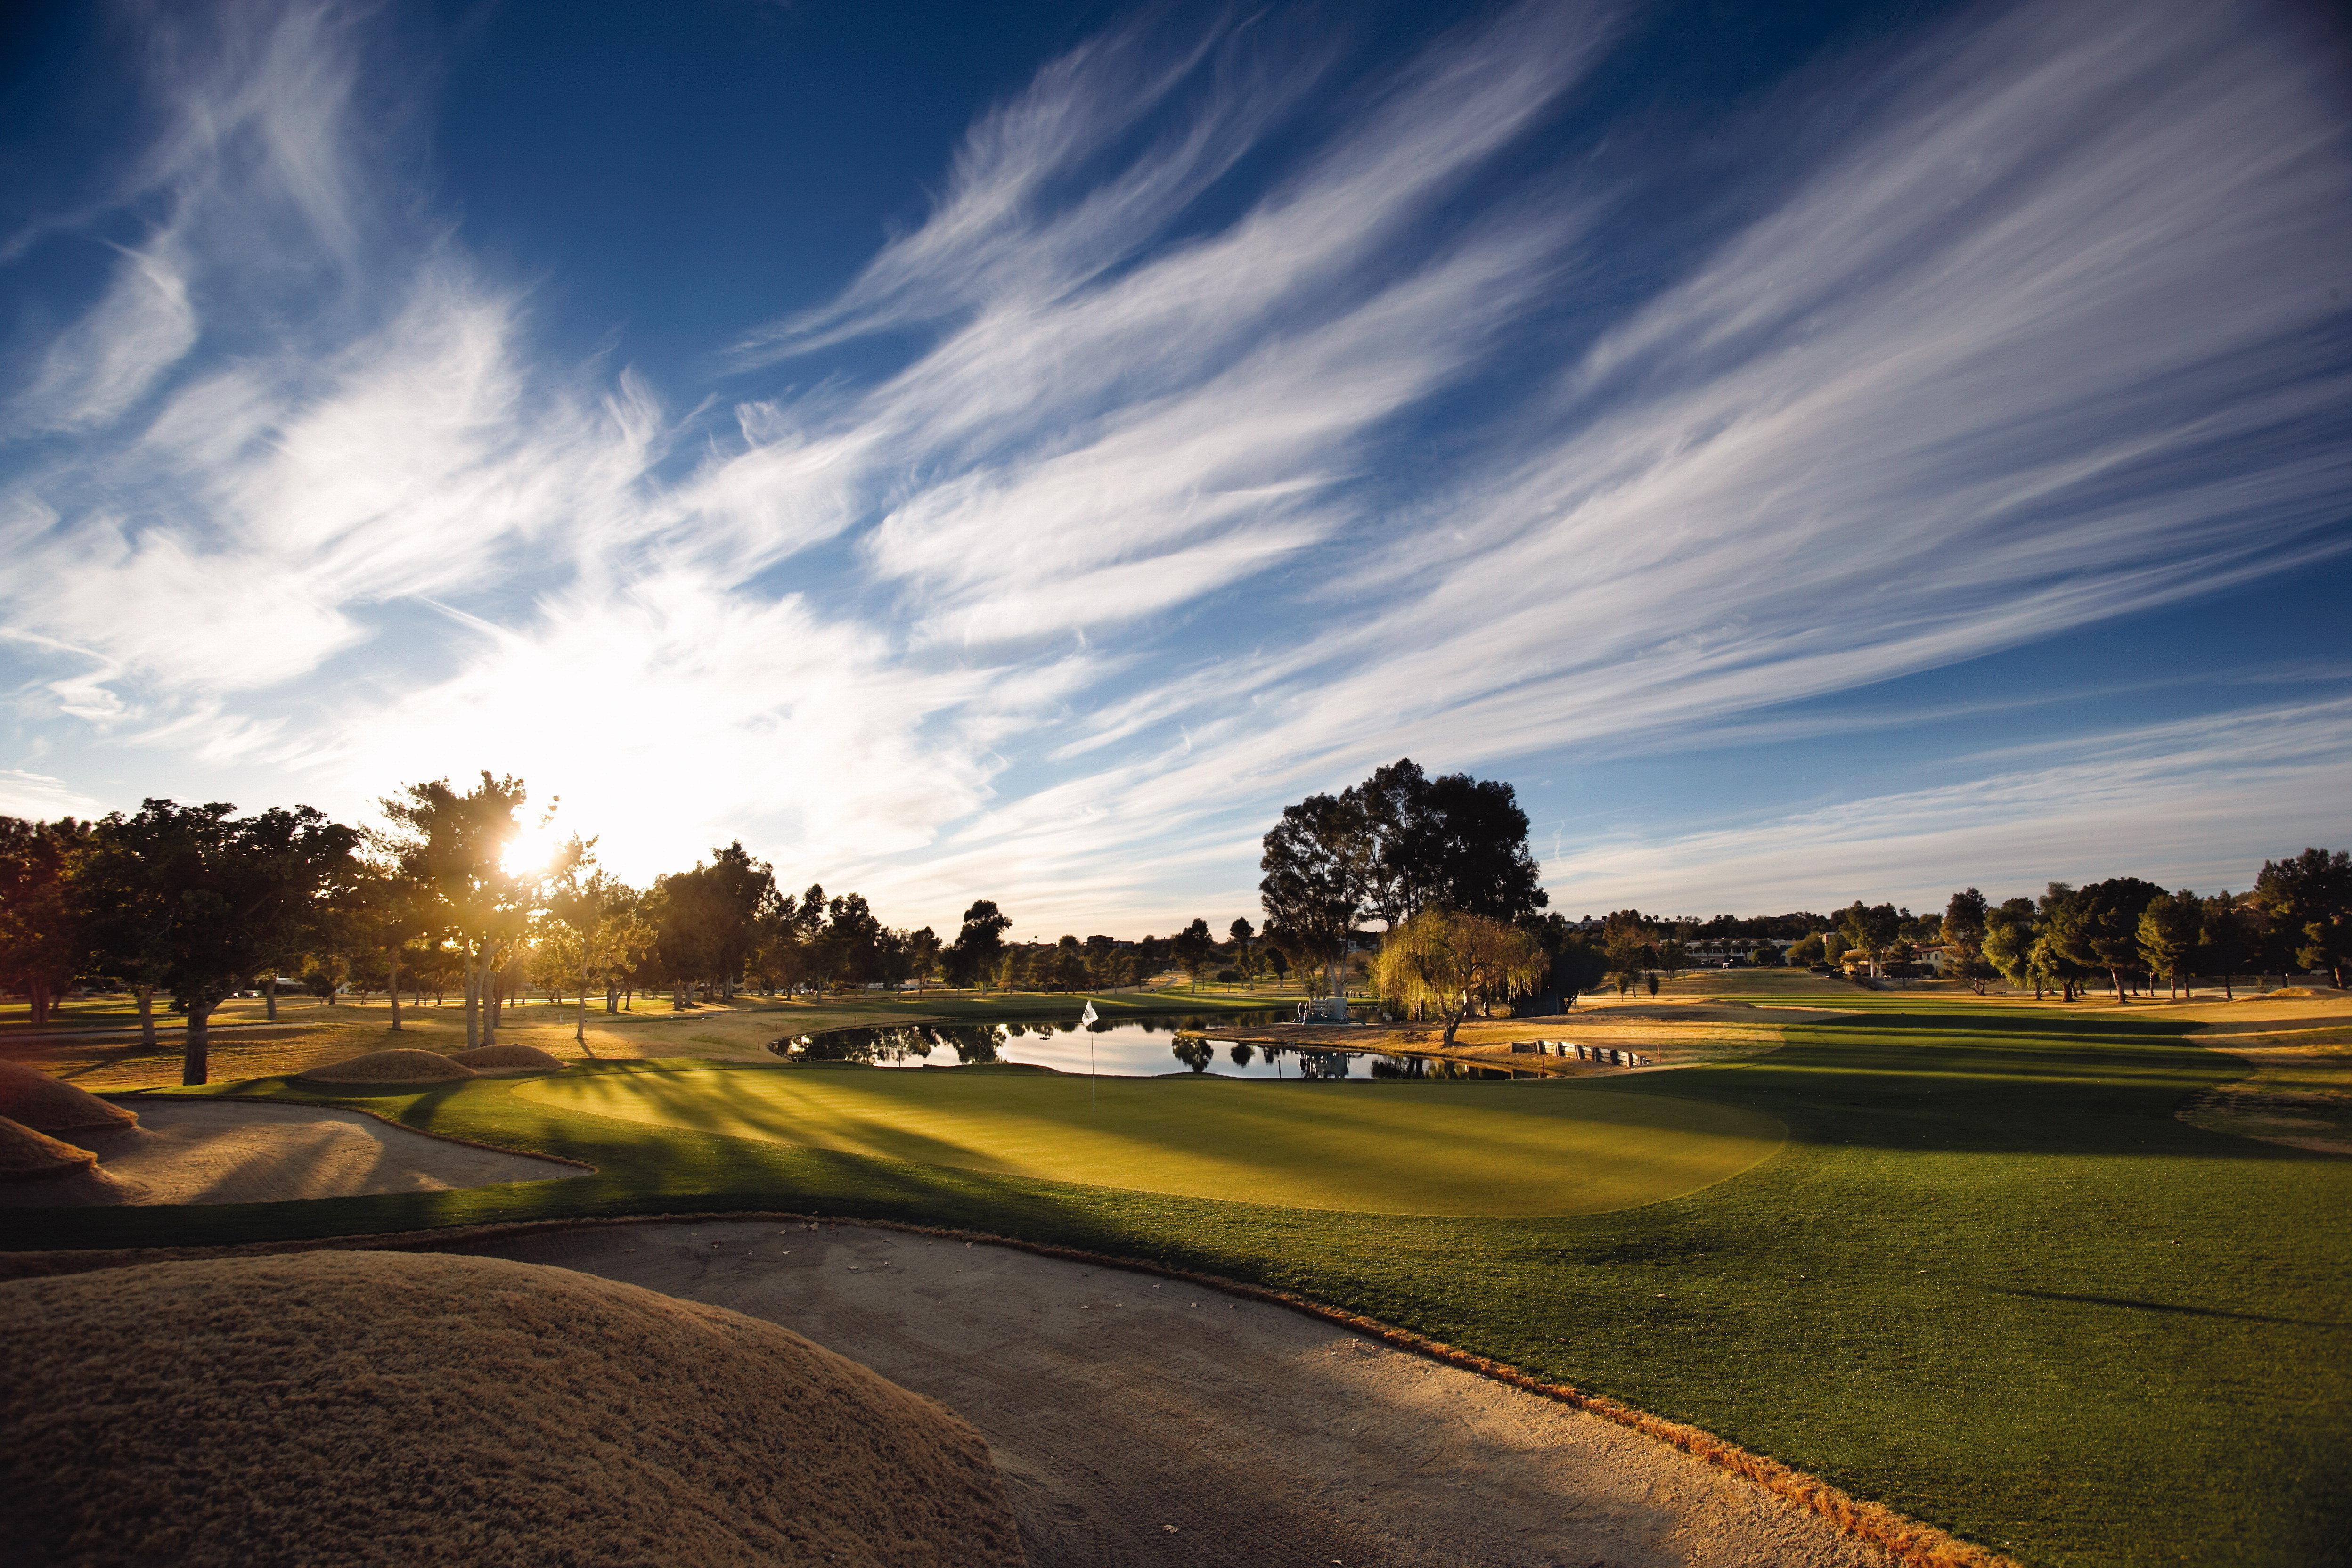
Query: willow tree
[(1455, 962)]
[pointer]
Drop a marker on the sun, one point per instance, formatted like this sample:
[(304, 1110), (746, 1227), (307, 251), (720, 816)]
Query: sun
[(533, 848)]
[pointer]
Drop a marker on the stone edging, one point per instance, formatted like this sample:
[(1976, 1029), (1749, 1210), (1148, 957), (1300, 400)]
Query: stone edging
[(1907, 1540)]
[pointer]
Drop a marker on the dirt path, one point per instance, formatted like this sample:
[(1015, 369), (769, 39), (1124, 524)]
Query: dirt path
[(1144, 1422), (237, 1152)]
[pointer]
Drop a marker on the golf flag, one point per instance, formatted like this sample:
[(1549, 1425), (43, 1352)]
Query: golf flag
[(1089, 1017)]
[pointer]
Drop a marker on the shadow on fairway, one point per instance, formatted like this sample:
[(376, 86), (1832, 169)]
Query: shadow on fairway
[(1986, 1082)]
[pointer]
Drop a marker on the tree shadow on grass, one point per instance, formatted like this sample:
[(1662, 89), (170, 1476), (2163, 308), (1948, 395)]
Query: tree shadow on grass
[(2137, 1305)]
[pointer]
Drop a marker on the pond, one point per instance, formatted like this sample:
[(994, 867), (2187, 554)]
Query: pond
[(1144, 1047)]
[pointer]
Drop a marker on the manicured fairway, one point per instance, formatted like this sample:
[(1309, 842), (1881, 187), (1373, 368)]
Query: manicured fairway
[(1989, 1279), (1528, 1148)]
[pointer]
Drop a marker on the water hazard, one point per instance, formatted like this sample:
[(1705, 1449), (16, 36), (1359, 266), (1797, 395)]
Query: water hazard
[(1133, 1048)]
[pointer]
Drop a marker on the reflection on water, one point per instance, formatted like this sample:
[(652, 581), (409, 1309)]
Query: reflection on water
[(1141, 1047)]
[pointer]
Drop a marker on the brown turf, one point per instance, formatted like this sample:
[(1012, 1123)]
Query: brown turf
[(26, 1155), (29, 1096), (391, 1066), (380, 1407)]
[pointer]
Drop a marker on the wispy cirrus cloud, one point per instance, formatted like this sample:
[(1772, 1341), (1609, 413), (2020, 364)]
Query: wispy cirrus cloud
[(1237, 418)]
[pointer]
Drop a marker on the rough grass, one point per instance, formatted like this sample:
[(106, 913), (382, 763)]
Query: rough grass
[(1991, 1281), (375, 1407), (1378, 1148)]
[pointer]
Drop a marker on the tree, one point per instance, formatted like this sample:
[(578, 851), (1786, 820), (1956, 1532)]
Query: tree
[(2098, 927), (44, 937), (130, 920), (740, 889), (230, 887), (1807, 949), (2226, 941), (2308, 902), (389, 914), (2010, 933), (1871, 928), (2171, 929), (454, 846), (1316, 862), (978, 951), (1628, 944), (1196, 950), (852, 940), (1453, 962), (1964, 936), (922, 955)]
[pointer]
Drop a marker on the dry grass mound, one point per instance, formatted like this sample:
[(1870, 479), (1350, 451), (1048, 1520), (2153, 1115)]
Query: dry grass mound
[(390, 1067), (388, 1408), (507, 1058), (31, 1096), (26, 1155)]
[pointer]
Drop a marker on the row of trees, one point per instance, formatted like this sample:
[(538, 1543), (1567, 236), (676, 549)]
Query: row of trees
[(2297, 917)]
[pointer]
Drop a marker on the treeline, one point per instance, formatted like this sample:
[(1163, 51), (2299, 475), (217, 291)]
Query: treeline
[(195, 903)]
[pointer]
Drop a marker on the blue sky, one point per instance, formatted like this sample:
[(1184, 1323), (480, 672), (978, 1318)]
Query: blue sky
[(1011, 451)]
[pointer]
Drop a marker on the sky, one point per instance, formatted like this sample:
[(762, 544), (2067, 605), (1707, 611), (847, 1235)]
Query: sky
[(1011, 452)]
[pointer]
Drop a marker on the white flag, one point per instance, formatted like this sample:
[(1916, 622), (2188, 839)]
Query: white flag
[(1090, 1016)]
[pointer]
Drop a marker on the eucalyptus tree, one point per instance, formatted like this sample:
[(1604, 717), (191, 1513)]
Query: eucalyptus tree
[(453, 849)]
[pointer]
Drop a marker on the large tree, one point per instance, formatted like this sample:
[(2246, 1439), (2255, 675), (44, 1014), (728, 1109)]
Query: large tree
[(2171, 931), (455, 848), (230, 889), (2307, 901), (744, 888), (974, 958), (2009, 932), (1317, 863), (2097, 928), (1964, 936), (45, 935)]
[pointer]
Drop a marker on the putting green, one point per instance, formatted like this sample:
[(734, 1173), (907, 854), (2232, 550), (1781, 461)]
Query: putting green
[(1491, 1149)]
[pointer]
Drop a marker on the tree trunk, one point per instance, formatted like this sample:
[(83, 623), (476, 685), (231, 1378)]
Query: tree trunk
[(146, 994), (580, 1023), (612, 998), (473, 1023), (393, 991), (2116, 975), (270, 996), (489, 1001), (36, 1000), (197, 1063), (1454, 1020)]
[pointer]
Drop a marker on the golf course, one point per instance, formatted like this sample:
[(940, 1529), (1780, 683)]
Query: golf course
[(1956, 1256)]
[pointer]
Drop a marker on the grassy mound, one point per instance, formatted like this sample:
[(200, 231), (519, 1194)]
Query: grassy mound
[(507, 1058), (302, 1408), (391, 1066), (26, 1155), (33, 1098)]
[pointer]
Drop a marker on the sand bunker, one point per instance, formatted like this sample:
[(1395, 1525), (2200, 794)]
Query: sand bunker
[(33, 1098), (239, 1151), (1118, 1404), (507, 1058), (390, 1067), (384, 1407), (26, 1155)]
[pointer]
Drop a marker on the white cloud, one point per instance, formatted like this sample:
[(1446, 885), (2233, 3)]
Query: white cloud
[(1171, 516), (2201, 803), (39, 798)]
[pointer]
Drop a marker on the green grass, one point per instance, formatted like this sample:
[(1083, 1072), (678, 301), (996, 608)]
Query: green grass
[(1434, 1149), (1989, 1279)]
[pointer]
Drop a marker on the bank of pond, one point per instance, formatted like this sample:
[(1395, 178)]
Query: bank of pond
[(1143, 1047)]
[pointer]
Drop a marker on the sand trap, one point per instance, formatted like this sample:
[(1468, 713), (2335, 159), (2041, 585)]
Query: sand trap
[(390, 1067), (487, 1060), (26, 1155), (46, 1104), (239, 1151), (1118, 1405), (390, 1407)]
